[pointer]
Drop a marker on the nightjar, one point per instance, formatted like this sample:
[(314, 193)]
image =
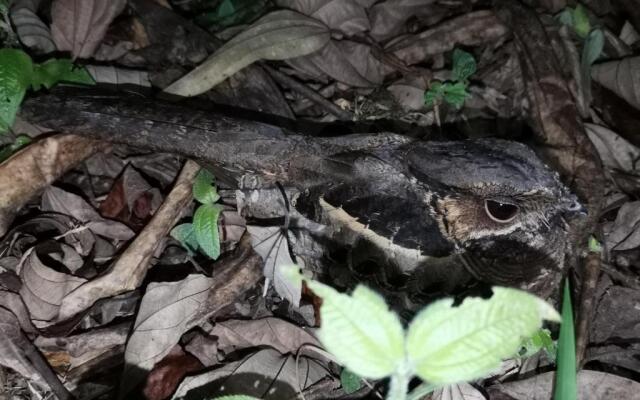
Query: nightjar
[(413, 218)]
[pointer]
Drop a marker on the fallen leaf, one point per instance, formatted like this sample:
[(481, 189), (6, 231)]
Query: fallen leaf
[(58, 200), (409, 92), (118, 76), (621, 77), (168, 373), (165, 314), (32, 32), (388, 18), (625, 234), (272, 246), (78, 26), (592, 385), (266, 374), (43, 289), (283, 336), (347, 16), (614, 151), (13, 344), (279, 35), (346, 61)]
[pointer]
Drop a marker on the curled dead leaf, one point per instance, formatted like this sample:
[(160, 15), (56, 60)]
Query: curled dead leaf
[(622, 77), (279, 35)]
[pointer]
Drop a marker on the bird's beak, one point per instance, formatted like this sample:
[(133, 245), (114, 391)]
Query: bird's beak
[(572, 208)]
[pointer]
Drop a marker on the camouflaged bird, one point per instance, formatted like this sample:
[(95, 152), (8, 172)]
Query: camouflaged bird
[(413, 216)]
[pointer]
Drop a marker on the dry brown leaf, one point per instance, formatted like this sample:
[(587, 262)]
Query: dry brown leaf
[(388, 18), (409, 92), (279, 35), (13, 302), (273, 332), (63, 202), (614, 151), (347, 16), (273, 377), (165, 313), (625, 234), (469, 29), (118, 76), (346, 61), (622, 77), (78, 26), (32, 32), (13, 344), (592, 385), (43, 289)]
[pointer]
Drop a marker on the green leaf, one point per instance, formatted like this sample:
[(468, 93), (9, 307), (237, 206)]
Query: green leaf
[(593, 46), (16, 69), (581, 22), (55, 70), (434, 95), (205, 226), (464, 65), (594, 245), (360, 331), (541, 340), (455, 93), (450, 344), (566, 376), (351, 382), (20, 142), (186, 235), (566, 16), (204, 189)]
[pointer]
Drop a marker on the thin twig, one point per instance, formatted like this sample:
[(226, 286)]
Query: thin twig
[(591, 272), (312, 95)]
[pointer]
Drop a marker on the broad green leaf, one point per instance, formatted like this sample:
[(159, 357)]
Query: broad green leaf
[(581, 22), (360, 331), (434, 95), (464, 65), (351, 382), (186, 235), (8, 150), (203, 188), (593, 46), (455, 93), (448, 344), (566, 375), (16, 69), (279, 35), (205, 226), (55, 70)]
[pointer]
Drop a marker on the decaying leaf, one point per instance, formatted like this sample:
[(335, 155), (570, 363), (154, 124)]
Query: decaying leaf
[(272, 246), (43, 288), (32, 32), (13, 344), (118, 76), (622, 77), (346, 61), (165, 314), (347, 16), (78, 26), (592, 385), (266, 374), (388, 17), (61, 201), (615, 152), (279, 35), (283, 336), (460, 391), (626, 229)]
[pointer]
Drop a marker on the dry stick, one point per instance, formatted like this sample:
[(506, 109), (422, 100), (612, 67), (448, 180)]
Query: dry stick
[(130, 269), (291, 83), (591, 272), (37, 166)]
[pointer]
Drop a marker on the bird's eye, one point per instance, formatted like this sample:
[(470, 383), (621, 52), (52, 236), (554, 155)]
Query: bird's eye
[(499, 211)]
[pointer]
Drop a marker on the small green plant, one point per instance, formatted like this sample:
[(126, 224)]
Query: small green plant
[(566, 387), (454, 91), (202, 235), (19, 73), (540, 340)]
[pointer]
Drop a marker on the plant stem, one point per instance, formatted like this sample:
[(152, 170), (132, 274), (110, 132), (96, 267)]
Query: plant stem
[(421, 391), (399, 385)]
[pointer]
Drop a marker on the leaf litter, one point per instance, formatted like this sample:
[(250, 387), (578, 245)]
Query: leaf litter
[(90, 279)]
